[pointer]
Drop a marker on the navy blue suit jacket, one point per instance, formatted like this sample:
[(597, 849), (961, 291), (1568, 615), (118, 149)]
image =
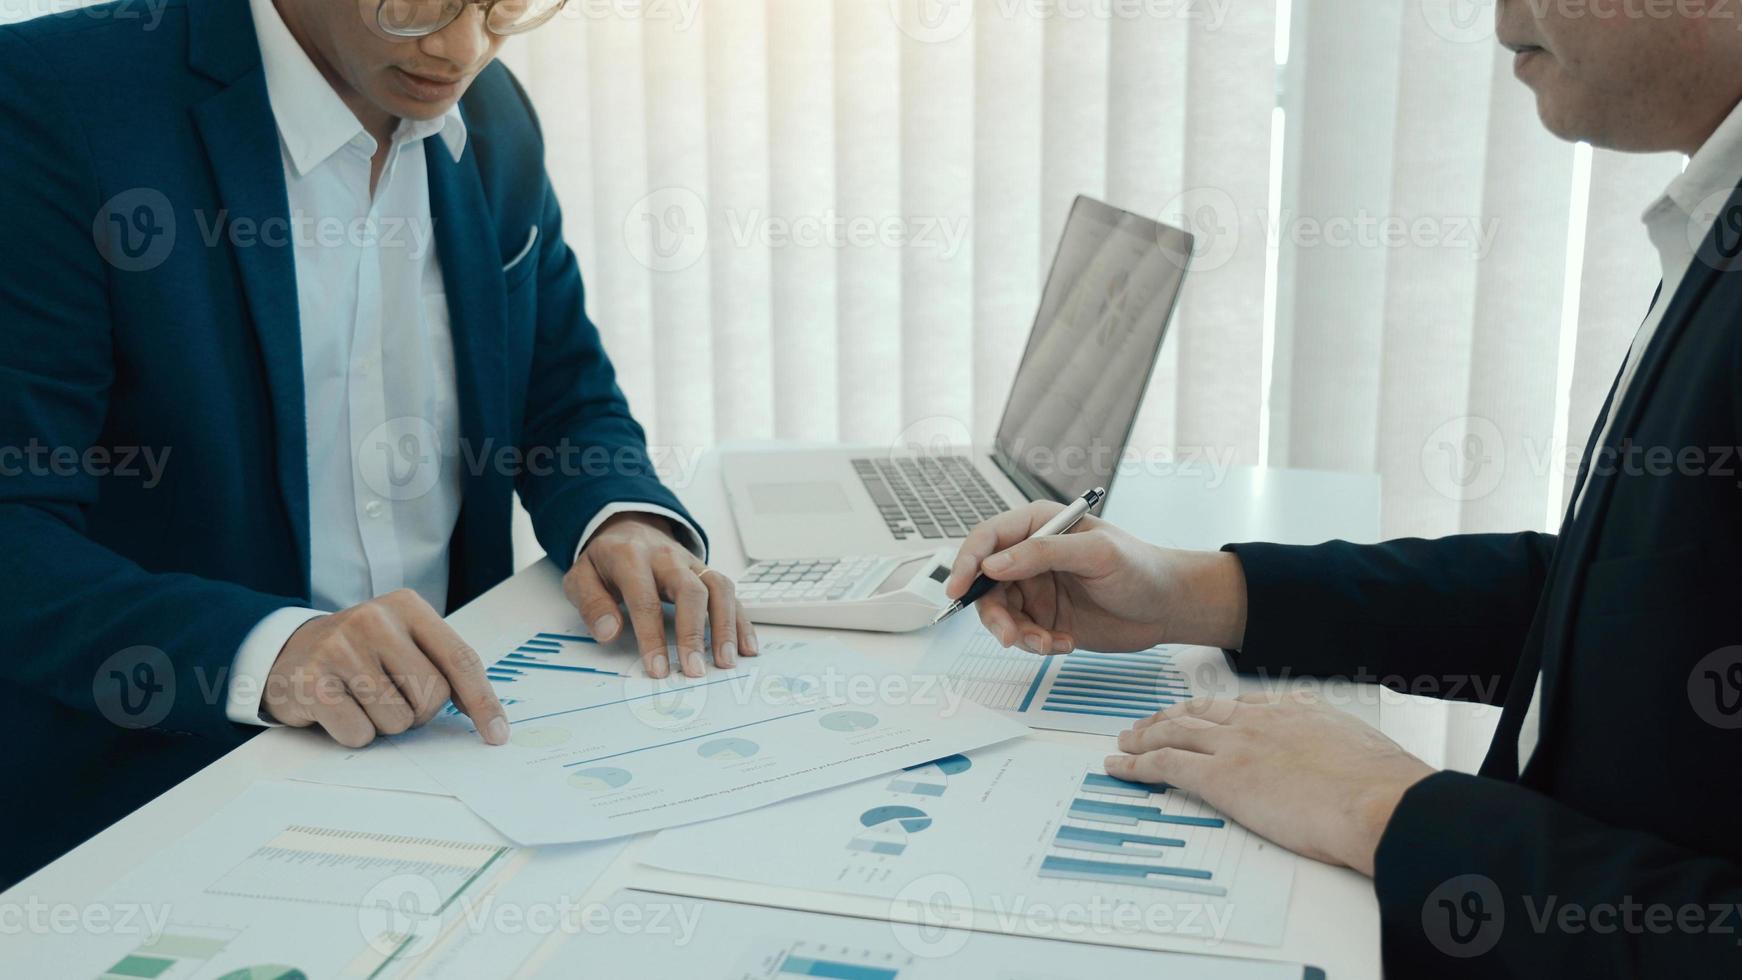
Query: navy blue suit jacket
[(126, 591)]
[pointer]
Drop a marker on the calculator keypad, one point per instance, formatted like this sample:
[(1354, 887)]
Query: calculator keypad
[(804, 579)]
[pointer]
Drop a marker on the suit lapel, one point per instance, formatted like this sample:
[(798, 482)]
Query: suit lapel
[(241, 140), (477, 306), (1716, 256)]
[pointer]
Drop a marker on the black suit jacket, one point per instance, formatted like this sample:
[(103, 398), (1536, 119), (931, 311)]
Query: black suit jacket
[(1618, 850)]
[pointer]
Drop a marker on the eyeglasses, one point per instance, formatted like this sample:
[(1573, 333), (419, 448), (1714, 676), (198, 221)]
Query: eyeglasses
[(421, 18)]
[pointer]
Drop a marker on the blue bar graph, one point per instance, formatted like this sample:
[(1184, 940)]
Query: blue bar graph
[(804, 966), (1097, 782), (1114, 685), (1128, 814), (1108, 841), (1101, 712), (541, 653), (1120, 873)]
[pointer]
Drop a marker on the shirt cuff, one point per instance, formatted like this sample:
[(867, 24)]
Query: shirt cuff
[(254, 660), (687, 536)]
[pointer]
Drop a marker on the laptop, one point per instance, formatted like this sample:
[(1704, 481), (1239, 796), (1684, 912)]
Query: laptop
[(1103, 315)]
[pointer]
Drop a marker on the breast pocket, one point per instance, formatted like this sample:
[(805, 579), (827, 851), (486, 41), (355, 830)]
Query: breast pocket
[(519, 267)]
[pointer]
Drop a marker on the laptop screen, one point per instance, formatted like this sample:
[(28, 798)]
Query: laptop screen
[(1102, 318)]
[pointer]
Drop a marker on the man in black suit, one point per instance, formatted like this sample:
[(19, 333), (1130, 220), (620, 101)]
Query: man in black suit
[(1601, 837)]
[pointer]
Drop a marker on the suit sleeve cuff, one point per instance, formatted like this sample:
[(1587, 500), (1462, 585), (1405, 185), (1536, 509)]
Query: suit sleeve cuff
[(254, 660), (687, 535)]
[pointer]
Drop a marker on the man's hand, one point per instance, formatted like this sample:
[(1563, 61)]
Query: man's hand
[(633, 560), (381, 667), (1097, 587), (1309, 777)]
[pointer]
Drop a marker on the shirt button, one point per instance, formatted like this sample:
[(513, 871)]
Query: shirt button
[(373, 508)]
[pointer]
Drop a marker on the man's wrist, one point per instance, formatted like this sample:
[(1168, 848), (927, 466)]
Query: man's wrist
[(1209, 599), (1370, 814)]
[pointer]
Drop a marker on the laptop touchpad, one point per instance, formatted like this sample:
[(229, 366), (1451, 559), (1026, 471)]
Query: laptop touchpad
[(783, 499)]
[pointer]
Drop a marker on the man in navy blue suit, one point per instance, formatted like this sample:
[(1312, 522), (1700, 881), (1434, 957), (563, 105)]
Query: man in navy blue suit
[(286, 319)]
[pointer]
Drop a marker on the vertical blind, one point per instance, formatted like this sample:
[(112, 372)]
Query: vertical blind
[(831, 219)]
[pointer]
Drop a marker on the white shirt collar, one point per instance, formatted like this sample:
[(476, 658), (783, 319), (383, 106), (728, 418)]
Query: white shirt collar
[(1713, 172), (312, 120)]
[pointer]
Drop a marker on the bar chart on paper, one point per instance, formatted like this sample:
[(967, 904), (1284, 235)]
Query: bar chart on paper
[(545, 654), (1085, 691), (1066, 835)]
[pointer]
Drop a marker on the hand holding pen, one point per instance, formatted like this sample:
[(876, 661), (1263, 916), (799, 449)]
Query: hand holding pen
[(1097, 587)]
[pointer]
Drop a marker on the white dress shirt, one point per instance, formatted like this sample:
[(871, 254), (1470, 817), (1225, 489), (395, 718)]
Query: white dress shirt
[(1677, 222), (379, 391)]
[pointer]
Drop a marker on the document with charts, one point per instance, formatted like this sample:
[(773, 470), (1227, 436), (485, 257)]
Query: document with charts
[(295, 880), (1031, 824), (703, 938), (595, 754), (1085, 691)]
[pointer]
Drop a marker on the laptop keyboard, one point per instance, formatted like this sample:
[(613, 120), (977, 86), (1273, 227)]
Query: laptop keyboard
[(931, 496)]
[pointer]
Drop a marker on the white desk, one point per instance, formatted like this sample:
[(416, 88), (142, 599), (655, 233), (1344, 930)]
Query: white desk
[(1333, 921)]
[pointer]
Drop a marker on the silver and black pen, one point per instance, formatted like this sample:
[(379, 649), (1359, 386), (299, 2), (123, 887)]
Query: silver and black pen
[(1061, 523)]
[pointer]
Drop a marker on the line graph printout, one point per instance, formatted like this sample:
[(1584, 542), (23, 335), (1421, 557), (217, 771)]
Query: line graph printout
[(1027, 823), (1085, 691), (594, 756)]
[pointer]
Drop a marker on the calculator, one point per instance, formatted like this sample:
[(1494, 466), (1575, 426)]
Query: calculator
[(878, 593)]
